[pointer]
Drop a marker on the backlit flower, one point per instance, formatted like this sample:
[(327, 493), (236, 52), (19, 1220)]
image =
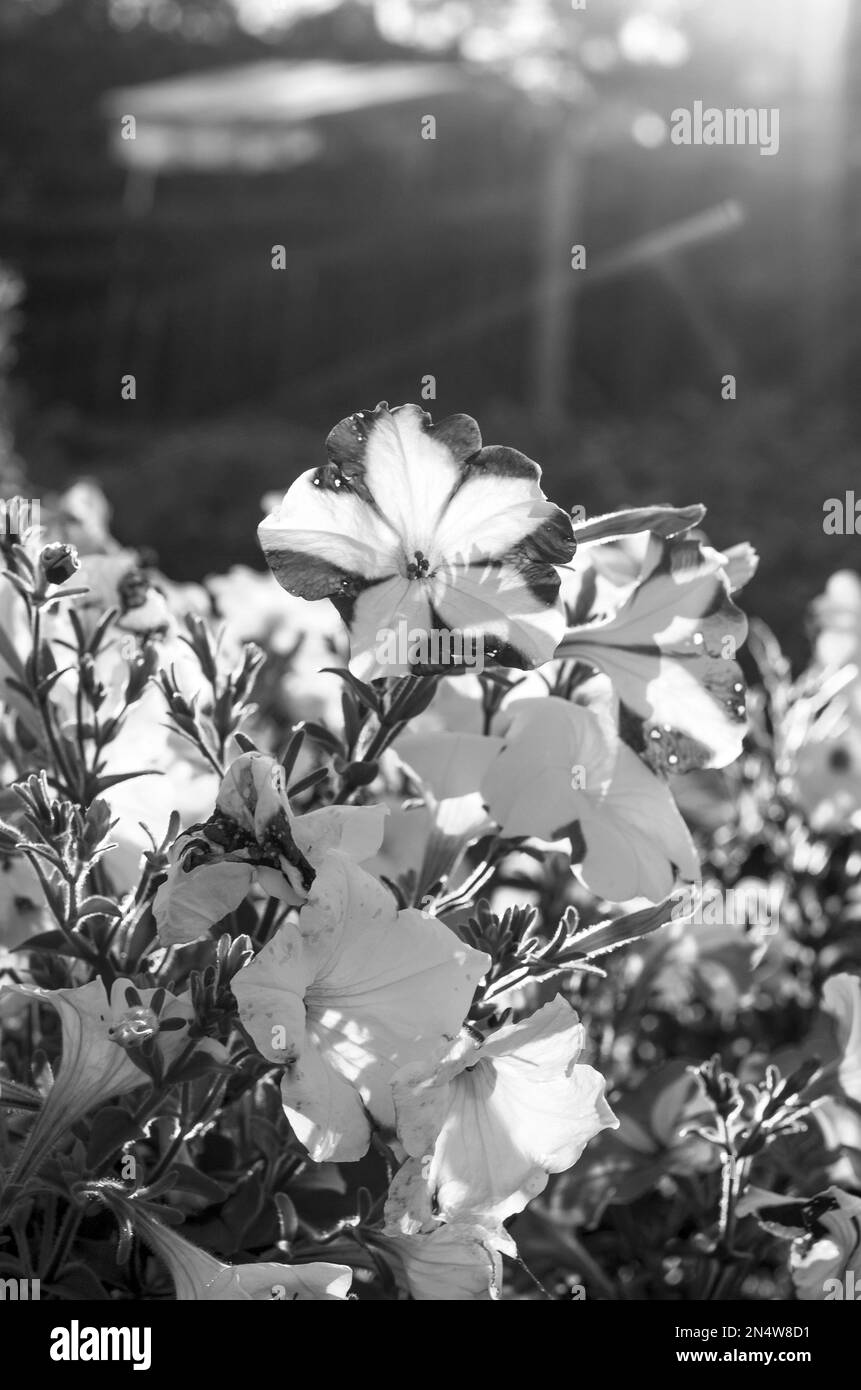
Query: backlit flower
[(564, 773), (447, 1262), (344, 998), (417, 527), (486, 1123), (669, 649)]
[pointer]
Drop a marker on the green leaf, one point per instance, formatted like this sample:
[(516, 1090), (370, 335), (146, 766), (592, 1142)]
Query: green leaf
[(191, 1180), (78, 1284), (10, 657), (115, 778), (53, 941), (621, 931), (365, 694), (111, 1128), (326, 740), (98, 906), (662, 521), (16, 1097)]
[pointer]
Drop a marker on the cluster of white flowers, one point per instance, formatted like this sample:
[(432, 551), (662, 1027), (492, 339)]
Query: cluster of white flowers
[(611, 649)]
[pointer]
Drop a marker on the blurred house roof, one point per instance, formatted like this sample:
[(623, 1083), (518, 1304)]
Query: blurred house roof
[(262, 115)]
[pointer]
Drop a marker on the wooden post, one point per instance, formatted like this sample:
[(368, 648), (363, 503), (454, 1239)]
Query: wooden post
[(561, 225)]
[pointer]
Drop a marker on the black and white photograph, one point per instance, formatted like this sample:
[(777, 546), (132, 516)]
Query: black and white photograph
[(430, 667)]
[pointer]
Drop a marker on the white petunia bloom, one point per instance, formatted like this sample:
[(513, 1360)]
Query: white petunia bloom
[(452, 1263), (487, 1123), (669, 641), (345, 998), (564, 772)]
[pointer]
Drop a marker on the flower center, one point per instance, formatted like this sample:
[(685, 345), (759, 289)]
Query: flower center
[(135, 1027), (418, 568)]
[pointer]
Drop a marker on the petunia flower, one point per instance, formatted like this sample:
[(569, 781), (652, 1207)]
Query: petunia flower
[(669, 649), (486, 1123), (99, 1035), (458, 1260), (344, 998), (448, 1262), (253, 835), (823, 1263), (201, 1277), (565, 773), (417, 527)]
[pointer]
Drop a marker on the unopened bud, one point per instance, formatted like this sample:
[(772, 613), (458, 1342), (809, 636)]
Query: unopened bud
[(59, 562)]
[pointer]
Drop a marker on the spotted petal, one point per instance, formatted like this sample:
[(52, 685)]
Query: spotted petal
[(564, 773), (670, 653)]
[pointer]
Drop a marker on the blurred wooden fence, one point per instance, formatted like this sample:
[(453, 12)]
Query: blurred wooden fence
[(388, 234)]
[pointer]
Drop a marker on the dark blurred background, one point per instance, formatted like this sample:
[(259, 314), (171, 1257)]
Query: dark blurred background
[(434, 269)]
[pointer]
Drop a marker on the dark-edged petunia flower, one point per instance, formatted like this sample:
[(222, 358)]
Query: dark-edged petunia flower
[(417, 528)]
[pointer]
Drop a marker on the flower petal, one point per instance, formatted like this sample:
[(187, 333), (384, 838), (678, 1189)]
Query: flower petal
[(531, 788), (502, 487), (376, 987), (270, 992), (272, 1282), (410, 471), (326, 1111), (520, 617), (449, 765), (635, 837), (188, 904), (377, 618), (522, 1111), (356, 831), (322, 535), (669, 652), (454, 1263)]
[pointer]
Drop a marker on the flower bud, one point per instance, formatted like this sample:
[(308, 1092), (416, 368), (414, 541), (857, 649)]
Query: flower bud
[(59, 562)]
